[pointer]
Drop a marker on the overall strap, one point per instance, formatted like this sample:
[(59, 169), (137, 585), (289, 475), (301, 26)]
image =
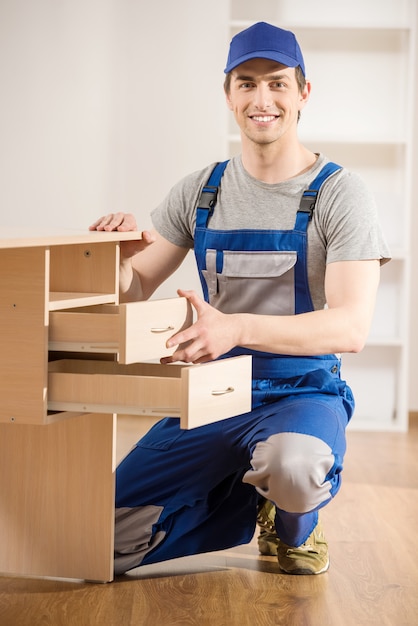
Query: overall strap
[(207, 200), (310, 195), (208, 196)]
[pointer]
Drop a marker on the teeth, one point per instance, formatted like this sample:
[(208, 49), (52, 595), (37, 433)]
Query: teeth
[(263, 118)]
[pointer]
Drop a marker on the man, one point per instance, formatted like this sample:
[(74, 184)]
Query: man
[(288, 280)]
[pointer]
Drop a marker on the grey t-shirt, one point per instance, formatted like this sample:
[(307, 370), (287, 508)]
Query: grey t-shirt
[(345, 225)]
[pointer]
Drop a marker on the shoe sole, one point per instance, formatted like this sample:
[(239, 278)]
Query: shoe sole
[(305, 571)]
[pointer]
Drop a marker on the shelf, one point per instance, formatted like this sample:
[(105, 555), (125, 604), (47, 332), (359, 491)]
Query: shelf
[(384, 342), (69, 300), (373, 14), (388, 144), (399, 255), (374, 375), (330, 28)]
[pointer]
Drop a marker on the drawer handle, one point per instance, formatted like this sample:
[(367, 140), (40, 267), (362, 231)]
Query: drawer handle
[(162, 330), (222, 392)]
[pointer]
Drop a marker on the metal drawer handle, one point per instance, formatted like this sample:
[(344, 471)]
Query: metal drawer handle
[(222, 392), (162, 330)]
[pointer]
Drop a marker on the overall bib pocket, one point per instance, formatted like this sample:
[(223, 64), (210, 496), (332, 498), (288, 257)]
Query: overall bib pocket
[(261, 282)]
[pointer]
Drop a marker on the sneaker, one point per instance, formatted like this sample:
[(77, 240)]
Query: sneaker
[(309, 558), (268, 540)]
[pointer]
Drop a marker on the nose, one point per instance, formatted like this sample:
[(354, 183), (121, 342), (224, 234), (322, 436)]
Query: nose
[(263, 97)]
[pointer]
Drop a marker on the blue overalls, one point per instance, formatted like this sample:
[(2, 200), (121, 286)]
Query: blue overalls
[(186, 492)]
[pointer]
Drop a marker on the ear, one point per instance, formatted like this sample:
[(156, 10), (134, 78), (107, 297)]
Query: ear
[(304, 95), (228, 100)]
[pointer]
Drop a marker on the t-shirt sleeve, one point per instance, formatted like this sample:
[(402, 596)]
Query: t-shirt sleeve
[(349, 222), (175, 217)]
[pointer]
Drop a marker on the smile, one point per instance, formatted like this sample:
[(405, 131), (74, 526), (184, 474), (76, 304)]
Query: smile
[(263, 118)]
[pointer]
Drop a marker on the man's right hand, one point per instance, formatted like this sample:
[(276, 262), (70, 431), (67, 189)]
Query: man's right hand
[(141, 274), (124, 222)]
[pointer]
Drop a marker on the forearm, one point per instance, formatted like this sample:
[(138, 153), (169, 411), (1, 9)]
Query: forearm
[(319, 332), (130, 288), (351, 289)]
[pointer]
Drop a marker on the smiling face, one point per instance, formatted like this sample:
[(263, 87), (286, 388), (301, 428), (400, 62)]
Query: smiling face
[(266, 100)]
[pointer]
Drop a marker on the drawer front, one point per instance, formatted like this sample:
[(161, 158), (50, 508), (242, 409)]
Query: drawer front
[(137, 331), (216, 390), (146, 327), (198, 394)]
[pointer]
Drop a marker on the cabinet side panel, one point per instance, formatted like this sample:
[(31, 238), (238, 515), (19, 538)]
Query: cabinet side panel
[(57, 498), (23, 334)]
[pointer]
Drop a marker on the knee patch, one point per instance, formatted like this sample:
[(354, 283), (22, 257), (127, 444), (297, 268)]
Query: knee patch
[(292, 469), (133, 535)]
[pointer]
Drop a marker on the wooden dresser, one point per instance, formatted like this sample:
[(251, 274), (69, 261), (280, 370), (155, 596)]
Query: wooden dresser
[(72, 359)]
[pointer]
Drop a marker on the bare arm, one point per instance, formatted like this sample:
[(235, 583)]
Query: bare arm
[(145, 263), (155, 264), (350, 287)]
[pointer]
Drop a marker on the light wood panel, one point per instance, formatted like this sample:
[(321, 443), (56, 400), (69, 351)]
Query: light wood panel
[(146, 326), (23, 305), (91, 267), (21, 237), (57, 498)]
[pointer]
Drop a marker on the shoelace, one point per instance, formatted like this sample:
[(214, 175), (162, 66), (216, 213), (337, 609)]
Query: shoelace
[(305, 547)]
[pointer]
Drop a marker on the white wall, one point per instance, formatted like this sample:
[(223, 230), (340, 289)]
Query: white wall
[(56, 111), (105, 104)]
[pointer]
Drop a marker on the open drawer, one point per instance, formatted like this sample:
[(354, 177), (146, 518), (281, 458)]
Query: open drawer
[(198, 394), (136, 331)]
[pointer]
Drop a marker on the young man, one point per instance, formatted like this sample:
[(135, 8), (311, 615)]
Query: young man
[(289, 281)]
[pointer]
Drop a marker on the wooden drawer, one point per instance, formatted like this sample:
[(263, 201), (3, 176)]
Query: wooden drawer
[(136, 331), (198, 394)]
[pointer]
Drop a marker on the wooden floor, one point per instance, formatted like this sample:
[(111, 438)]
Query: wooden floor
[(372, 530)]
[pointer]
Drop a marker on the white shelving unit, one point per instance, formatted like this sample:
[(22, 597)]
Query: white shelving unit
[(360, 59)]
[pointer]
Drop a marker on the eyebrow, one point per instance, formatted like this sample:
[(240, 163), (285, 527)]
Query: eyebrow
[(269, 77)]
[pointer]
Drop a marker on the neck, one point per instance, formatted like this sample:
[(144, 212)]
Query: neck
[(270, 163)]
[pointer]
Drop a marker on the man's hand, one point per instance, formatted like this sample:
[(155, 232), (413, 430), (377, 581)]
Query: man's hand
[(212, 335), (124, 222)]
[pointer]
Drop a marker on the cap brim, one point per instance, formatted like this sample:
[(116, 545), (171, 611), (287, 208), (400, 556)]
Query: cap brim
[(271, 55)]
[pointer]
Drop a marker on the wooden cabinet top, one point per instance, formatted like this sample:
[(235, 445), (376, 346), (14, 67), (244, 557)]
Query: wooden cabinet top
[(14, 237)]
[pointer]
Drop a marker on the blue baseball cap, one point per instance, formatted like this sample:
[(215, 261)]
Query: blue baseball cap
[(264, 41)]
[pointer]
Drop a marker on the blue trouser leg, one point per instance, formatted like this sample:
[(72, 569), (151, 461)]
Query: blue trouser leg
[(297, 463), (185, 488), (185, 492)]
